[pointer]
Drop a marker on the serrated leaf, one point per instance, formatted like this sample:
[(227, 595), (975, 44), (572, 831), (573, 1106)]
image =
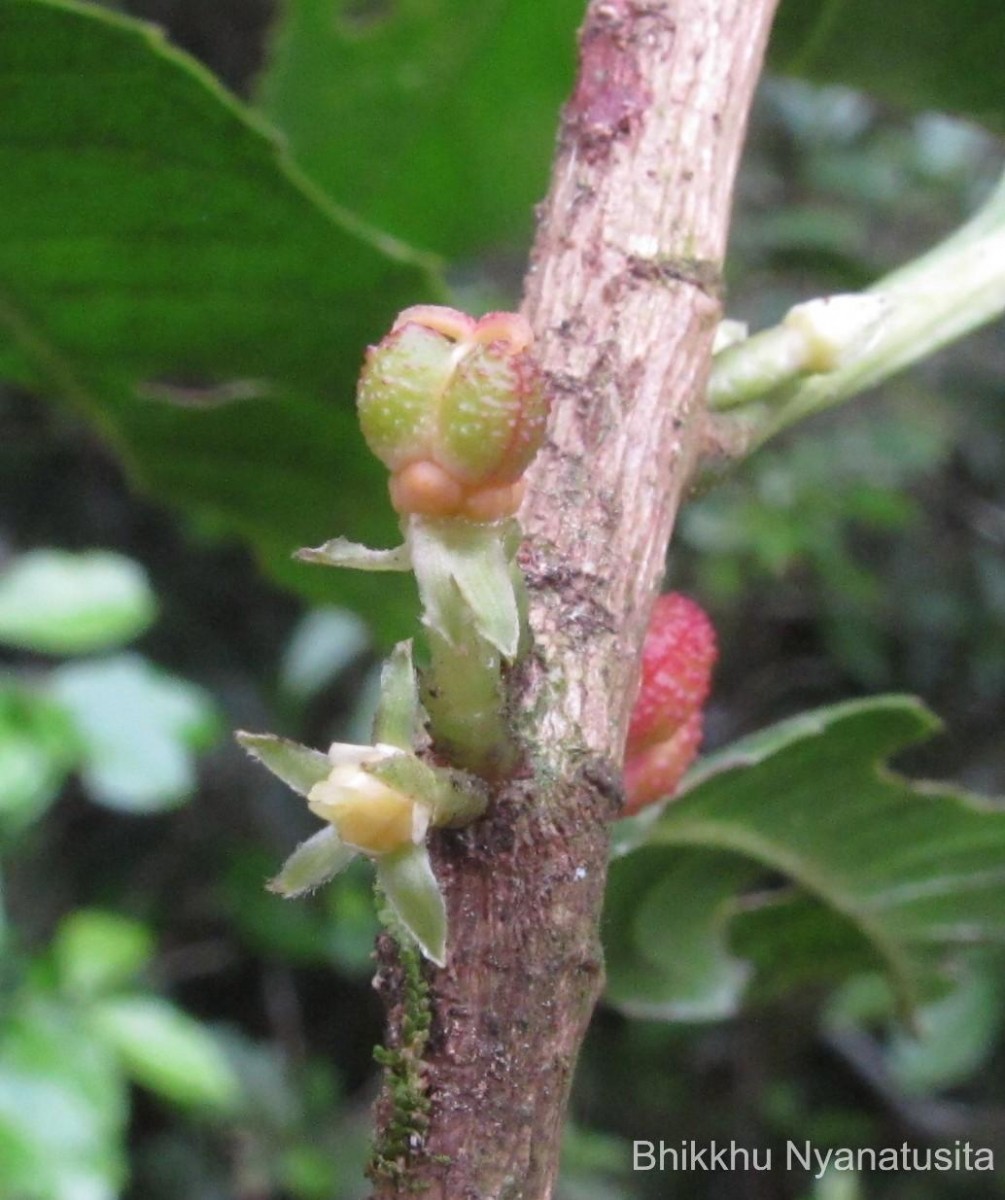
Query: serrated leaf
[(399, 718), (407, 880), (902, 869), (176, 252), (63, 603), (446, 112), (166, 1051), (696, 977), (465, 581), (792, 940), (340, 552), (945, 56), (313, 863), (299, 767), (137, 728)]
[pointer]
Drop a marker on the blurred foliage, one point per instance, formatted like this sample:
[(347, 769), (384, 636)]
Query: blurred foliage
[(166, 1027)]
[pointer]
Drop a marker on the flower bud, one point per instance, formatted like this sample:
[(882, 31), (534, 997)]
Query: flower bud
[(455, 408), (368, 814)]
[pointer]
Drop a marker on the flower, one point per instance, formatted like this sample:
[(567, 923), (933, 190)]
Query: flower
[(376, 800)]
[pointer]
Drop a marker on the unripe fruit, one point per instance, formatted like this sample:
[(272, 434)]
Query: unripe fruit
[(666, 723), (455, 408)]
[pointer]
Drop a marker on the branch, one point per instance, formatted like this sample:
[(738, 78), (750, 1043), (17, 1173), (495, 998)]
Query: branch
[(938, 298), (623, 294)]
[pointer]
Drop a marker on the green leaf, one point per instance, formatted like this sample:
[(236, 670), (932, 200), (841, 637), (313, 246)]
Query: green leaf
[(99, 951), (166, 1051), (952, 1038), (313, 863), (299, 767), (696, 977), (38, 747), (445, 113), (63, 603), (407, 880), (901, 870), (399, 718), (138, 729), (957, 1034), (63, 1106), (781, 932), (941, 54), (169, 272)]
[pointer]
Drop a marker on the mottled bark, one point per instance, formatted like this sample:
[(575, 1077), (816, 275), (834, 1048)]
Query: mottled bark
[(624, 294)]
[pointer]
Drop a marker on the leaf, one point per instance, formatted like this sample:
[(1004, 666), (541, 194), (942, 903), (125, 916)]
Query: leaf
[(137, 728), (957, 1035), (939, 54), (166, 1051), (407, 880), (62, 603), (297, 766), (694, 978), (63, 1105), (446, 113), (313, 863), (324, 643), (176, 252), (954, 1035), (900, 871), (37, 750), (99, 951)]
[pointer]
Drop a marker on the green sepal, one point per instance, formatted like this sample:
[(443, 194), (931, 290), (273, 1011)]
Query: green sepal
[(399, 720), (463, 572), (406, 878), (340, 552), (452, 800), (297, 766), (313, 863)]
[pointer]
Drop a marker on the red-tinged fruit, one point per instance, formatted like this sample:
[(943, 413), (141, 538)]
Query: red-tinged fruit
[(666, 723), (677, 660), (654, 773)]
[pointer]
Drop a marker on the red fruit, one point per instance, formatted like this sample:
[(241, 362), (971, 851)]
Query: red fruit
[(665, 727), (653, 774)]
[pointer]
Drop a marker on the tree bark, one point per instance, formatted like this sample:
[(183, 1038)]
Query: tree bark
[(624, 295)]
